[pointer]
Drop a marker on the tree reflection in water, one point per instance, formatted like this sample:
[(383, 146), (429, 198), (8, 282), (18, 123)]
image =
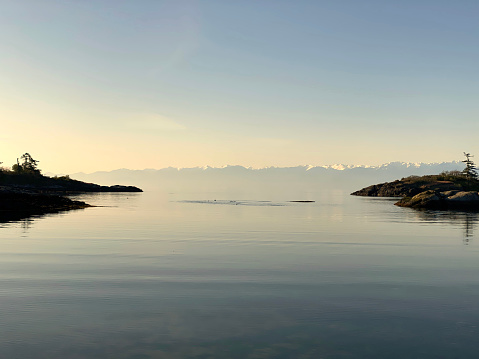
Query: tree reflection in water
[(468, 220), (26, 224)]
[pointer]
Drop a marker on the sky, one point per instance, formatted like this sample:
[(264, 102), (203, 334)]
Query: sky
[(97, 85)]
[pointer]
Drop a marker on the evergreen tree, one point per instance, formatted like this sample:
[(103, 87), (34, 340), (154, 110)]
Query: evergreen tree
[(28, 165), (470, 171)]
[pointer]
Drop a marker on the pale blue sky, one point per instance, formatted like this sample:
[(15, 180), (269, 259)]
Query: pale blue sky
[(99, 85)]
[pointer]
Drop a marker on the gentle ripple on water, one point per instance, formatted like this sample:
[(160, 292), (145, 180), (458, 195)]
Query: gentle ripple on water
[(157, 275)]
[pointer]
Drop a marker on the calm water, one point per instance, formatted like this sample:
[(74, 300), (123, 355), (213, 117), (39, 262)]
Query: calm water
[(240, 275)]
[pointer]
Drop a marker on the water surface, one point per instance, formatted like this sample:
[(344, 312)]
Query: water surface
[(240, 275)]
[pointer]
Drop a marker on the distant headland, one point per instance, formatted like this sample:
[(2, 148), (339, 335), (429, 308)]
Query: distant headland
[(450, 190), (24, 191)]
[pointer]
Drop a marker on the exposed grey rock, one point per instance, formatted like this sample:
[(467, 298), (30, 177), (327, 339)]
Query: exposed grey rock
[(427, 199), (444, 192), (471, 196), (456, 200), (403, 188), (450, 193)]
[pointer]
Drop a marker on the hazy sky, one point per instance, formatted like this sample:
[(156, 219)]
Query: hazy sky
[(89, 85)]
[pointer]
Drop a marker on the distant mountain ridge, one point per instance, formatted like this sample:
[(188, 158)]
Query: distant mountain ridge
[(454, 165), (348, 177)]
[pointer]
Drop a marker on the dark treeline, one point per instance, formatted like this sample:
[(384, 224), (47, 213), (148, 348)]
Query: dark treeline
[(24, 171), (26, 175)]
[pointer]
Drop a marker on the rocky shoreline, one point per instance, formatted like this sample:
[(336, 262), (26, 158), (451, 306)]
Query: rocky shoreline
[(25, 196), (66, 186), (16, 204), (446, 200), (403, 188), (429, 192)]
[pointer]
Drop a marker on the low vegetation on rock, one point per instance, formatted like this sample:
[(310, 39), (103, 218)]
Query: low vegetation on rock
[(26, 175), (24, 191), (447, 190)]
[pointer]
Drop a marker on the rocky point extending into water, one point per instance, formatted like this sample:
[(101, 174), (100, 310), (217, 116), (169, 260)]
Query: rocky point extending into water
[(64, 184), (441, 192), (25, 195), (16, 204)]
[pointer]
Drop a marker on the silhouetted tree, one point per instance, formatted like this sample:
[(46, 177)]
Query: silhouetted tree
[(28, 165), (470, 171)]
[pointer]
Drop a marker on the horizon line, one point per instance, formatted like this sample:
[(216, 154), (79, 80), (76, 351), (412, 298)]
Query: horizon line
[(336, 166)]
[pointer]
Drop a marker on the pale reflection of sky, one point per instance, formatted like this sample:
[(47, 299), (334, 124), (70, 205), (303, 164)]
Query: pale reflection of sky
[(163, 275)]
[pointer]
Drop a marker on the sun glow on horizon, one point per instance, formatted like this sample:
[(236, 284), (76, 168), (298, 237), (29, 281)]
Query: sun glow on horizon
[(91, 87)]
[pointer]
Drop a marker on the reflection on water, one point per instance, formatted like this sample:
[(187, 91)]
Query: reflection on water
[(26, 220), (26, 224), (15, 216), (469, 227), (466, 220), (172, 276)]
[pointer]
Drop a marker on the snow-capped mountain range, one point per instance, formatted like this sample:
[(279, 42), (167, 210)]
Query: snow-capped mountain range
[(344, 176)]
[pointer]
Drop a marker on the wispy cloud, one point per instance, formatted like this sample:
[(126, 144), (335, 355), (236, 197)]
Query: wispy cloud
[(270, 141), (153, 122)]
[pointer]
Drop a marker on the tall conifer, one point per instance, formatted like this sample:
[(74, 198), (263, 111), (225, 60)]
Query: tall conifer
[(470, 171)]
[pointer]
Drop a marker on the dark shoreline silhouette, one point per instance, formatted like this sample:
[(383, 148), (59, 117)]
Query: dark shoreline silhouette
[(26, 195), (16, 205)]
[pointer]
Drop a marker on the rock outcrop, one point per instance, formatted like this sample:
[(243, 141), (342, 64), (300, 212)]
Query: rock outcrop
[(16, 204), (402, 188), (41, 184), (429, 192), (455, 200), (70, 187), (24, 195)]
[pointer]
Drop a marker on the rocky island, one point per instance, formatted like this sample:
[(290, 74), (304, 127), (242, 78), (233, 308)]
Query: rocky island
[(453, 190), (25, 192), (428, 192)]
